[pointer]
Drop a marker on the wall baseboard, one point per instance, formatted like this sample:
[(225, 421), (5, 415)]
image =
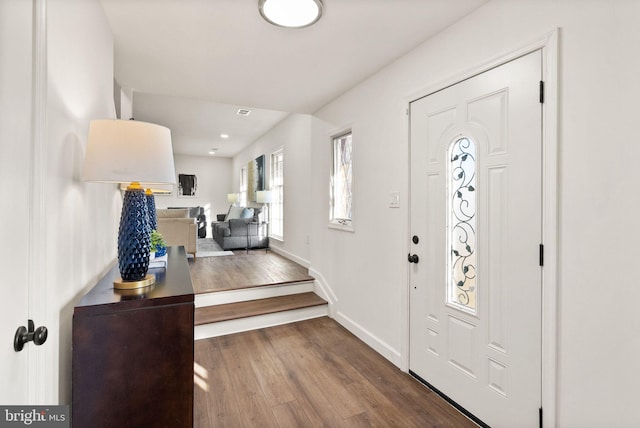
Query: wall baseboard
[(367, 337), (286, 254), (324, 290)]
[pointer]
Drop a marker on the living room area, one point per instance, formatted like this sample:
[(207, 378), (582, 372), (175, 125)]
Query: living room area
[(221, 178), (261, 243)]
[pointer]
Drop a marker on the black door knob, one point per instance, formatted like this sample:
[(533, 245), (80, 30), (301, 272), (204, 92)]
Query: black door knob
[(24, 335), (40, 335), (413, 258)]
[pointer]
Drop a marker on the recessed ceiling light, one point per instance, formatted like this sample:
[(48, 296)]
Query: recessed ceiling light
[(243, 112), (213, 151), (224, 135), (291, 13)]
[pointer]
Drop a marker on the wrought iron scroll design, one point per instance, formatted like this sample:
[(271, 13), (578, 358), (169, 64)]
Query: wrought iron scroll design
[(462, 223)]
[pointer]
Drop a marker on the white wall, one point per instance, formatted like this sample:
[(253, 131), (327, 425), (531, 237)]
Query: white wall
[(214, 183), (599, 344), (293, 134), (81, 219), (123, 99), (16, 81)]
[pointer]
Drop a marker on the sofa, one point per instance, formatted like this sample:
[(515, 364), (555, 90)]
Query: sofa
[(177, 228), (198, 214), (241, 228)]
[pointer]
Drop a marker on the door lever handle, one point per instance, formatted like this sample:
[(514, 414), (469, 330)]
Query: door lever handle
[(413, 258), (24, 335)]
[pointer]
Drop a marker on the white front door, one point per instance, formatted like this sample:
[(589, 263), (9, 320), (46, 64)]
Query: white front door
[(15, 145), (476, 210)]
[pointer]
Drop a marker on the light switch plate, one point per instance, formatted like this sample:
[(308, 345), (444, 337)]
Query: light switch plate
[(394, 200)]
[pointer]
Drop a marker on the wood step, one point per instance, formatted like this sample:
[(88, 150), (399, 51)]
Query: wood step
[(231, 311), (253, 293)]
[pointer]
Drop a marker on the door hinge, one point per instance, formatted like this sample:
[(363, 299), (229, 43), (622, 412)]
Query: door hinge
[(541, 255), (541, 92), (540, 416)]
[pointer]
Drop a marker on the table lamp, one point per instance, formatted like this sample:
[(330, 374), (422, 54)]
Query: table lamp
[(130, 151), (264, 197), (232, 198)]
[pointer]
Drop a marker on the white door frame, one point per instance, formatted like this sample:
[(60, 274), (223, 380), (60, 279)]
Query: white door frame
[(43, 372), (548, 45)]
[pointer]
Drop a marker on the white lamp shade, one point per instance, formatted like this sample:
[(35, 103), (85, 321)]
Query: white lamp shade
[(122, 151), (232, 198), (264, 196)]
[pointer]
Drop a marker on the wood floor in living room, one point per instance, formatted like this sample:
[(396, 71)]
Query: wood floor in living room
[(244, 269), (308, 374)]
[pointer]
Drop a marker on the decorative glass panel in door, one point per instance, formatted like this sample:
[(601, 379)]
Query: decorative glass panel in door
[(461, 228)]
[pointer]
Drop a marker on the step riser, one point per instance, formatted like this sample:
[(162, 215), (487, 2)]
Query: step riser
[(256, 322), (246, 294)]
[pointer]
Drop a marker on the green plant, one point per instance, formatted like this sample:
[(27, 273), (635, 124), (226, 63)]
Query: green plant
[(157, 241)]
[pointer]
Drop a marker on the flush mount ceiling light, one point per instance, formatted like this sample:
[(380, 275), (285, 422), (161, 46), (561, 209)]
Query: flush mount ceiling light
[(291, 13)]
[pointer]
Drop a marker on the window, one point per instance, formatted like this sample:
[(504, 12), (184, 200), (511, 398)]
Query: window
[(243, 187), (341, 182), (277, 190), (461, 286)]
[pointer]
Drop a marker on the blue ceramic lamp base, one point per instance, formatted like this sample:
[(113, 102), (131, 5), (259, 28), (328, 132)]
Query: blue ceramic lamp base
[(134, 240), (151, 208)]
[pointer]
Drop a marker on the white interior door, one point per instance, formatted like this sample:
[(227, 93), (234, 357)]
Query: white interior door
[(476, 208), (15, 144)]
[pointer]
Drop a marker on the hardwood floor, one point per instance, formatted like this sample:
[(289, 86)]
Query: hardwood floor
[(308, 374), (244, 270), (312, 373)]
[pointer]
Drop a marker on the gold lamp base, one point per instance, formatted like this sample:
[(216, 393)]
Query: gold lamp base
[(148, 280)]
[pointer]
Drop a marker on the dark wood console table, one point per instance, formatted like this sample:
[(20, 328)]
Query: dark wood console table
[(133, 355)]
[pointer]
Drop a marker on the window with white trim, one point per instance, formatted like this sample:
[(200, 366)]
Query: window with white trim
[(243, 187), (341, 181), (276, 211)]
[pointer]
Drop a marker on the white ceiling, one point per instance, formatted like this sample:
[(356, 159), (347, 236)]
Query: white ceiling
[(196, 124), (192, 63)]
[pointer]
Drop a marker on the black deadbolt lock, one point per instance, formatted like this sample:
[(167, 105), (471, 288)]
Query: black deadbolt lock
[(415, 239)]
